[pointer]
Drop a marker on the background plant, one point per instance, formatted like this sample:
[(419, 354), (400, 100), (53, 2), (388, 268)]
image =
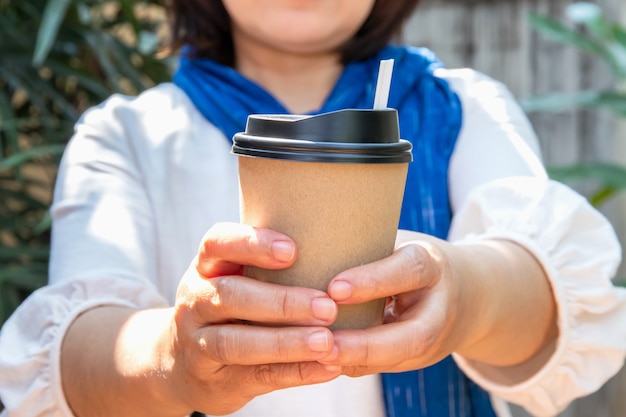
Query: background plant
[(59, 57), (588, 30)]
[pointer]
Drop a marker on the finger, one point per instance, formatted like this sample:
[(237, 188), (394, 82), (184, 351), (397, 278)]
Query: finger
[(230, 298), (410, 267), (227, 246), (357, 359), (392, 346), (271, 377), (240, 344), (248, 382)]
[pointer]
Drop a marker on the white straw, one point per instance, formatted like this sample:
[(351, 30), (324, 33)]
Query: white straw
[(383, 84)]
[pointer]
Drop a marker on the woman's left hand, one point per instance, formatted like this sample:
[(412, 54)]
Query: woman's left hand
[(489, 301), (423, 315)]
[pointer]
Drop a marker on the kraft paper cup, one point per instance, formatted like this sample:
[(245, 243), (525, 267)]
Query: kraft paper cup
[(334, 184)]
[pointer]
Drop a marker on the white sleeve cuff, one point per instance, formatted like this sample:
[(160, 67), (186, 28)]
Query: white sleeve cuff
[(580, 253), (30, 342)]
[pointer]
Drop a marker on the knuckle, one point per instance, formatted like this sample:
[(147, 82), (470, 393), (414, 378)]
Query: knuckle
[(278, 376), (208, 244), (425, 261), (365, 353), (217, 229), (214, 239), (280, 345), (225, 298), (413, 256), (303, 374), (424, 340), (265, 375), (285, 304), (223, 345), (356, 371)]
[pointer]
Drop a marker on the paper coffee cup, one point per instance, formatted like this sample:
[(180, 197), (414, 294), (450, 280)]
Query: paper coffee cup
[(334, 184)]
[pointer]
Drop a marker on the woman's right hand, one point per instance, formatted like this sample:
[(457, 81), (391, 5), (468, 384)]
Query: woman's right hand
[(202, 354), (217, 361)]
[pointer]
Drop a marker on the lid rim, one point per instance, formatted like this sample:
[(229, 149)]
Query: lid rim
[(309, 151), (324, 157)]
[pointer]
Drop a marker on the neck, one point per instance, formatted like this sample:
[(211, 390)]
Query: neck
[(301, 82)]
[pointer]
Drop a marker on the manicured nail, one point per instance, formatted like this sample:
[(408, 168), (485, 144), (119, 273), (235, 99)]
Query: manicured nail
[(324, 308), (319, 342), (340, 290), (283, 251)]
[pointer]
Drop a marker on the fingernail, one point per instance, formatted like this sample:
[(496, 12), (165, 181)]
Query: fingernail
[(324, 308), (340, 290), (319, 342), (283, 251)]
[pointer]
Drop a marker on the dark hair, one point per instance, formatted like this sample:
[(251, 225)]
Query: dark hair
[(205, 26)]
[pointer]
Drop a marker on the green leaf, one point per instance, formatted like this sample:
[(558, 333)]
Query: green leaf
[(19, 196), (98, 45), (44, 224), (611, 178), (13, 253), (608, 174), (602, 195), (45, 89), (612, 100), (122, 57), (559, 102), (557, 31), (23, 156), (129, 13), (600, 27), (53, 16), (617, 52), (619, 33), (602, 44), (83, 77), (9, 301), (16, 81), (6, 115), (27, 278)]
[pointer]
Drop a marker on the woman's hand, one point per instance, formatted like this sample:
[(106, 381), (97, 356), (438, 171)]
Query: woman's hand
[(489, 301), (217, 360), (201, 354)]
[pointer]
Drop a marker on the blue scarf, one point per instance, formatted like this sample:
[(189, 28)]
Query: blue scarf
[(430, 118), (226, 98)]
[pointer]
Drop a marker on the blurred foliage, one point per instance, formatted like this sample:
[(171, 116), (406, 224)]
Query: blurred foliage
[(587, 29), (59, 57)]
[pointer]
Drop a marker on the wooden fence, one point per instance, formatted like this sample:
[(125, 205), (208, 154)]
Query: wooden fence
[(494, 36)]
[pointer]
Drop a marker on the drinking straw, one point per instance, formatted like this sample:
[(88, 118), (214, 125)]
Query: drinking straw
[(381, 96)]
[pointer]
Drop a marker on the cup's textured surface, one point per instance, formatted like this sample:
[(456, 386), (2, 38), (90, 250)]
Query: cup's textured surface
[(340, 215)]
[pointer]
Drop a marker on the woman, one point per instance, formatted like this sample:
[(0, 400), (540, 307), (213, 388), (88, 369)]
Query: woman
[(518, 296)]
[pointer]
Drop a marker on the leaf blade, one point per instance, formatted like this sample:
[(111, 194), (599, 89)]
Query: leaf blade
[(53, 16)]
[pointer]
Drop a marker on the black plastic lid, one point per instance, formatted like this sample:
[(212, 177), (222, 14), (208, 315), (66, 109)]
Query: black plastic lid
[(344, 136)]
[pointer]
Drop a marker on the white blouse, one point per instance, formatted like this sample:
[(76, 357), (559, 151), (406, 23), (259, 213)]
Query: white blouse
[(144, 178)]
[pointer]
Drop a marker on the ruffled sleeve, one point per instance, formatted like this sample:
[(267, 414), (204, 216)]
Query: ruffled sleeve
[(580, 253), (30, 342)]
